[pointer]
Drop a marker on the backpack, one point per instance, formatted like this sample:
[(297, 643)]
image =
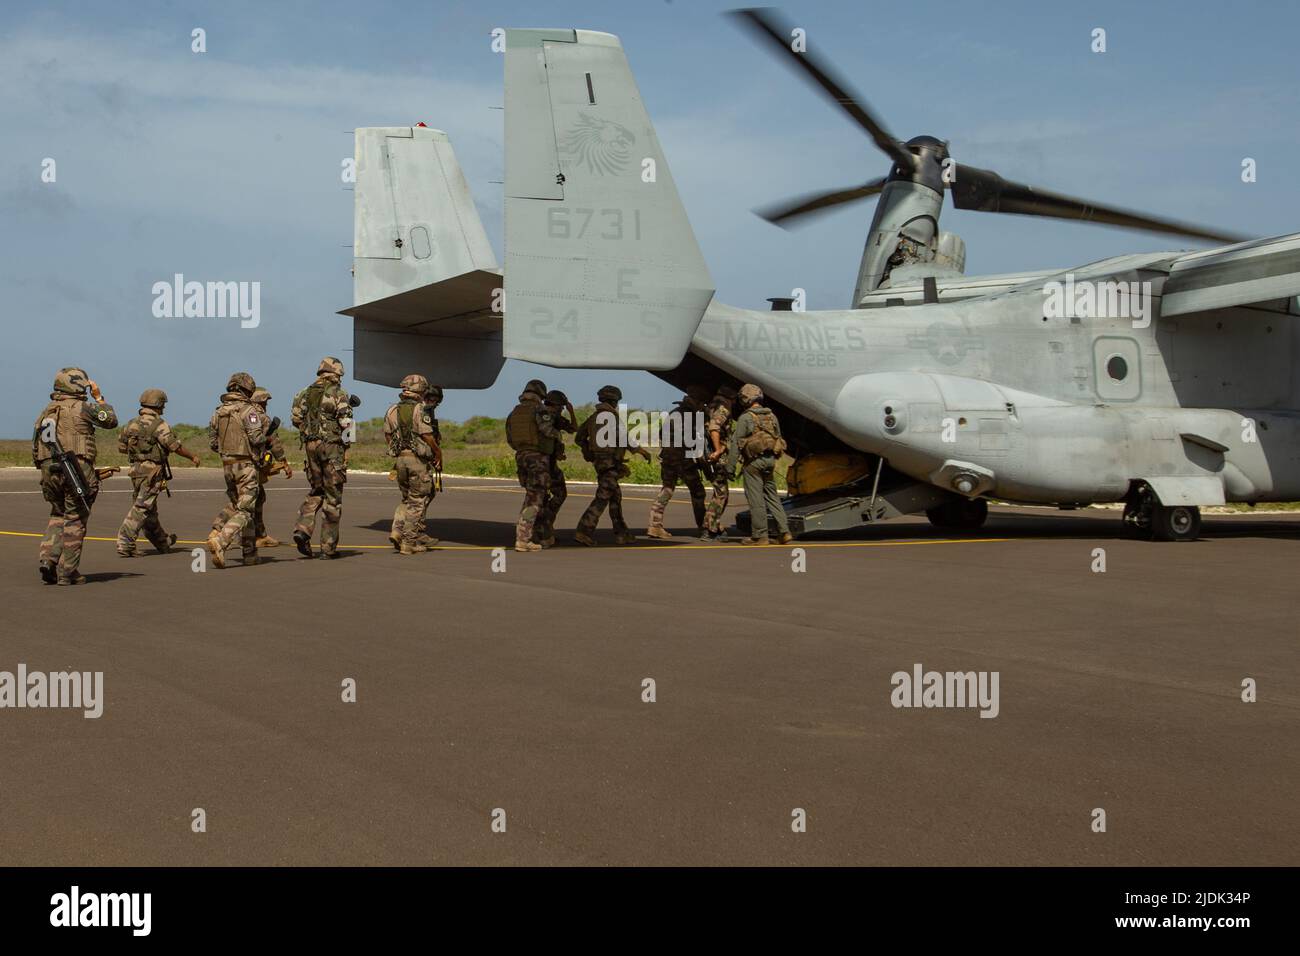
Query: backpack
[(401, 439), (311, 421), (583, 438), (765, 439), (521, 428)]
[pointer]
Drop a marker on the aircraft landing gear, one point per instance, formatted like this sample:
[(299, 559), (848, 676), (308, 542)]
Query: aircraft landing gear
[(959, 514), (1150, 519)]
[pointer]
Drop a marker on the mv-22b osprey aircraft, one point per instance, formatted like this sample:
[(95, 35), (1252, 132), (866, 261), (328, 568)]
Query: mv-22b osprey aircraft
[(1166, 381)]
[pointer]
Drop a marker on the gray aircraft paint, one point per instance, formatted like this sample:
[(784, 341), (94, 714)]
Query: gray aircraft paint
[(1035, 415)]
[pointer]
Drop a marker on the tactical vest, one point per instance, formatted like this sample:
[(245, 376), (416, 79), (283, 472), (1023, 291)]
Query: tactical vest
[(522, 433), (765, 438), (232, 440), (140, 438), (74, 433)]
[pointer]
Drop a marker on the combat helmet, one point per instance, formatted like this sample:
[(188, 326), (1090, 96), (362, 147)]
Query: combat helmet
[(70, 381), (153, 398), (727, 392), (698, 393), (534, 387), (750, 394), (415, 384), (260, 396), (241, 382), (329, 365), (433, 394), (556, 397), (609, 393)]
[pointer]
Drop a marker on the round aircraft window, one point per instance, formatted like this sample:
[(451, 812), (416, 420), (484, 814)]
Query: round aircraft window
[(1117, 368)]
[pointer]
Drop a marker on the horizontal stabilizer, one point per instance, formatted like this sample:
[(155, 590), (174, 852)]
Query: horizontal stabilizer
[(602, 268), (1248, 273), (427, 289)]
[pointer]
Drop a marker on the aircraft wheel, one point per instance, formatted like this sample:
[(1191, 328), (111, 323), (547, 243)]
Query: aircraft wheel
[(961, 514), (1176, 523)]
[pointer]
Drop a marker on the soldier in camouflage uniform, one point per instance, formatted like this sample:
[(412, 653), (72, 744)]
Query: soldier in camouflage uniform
[(237, 432), (531, 432), (411, 432), (758, 445), (674, 466), (273, 459), (70, 421), (556, 488), (597, 437), (146, 441), (717, 426), (322, 413)]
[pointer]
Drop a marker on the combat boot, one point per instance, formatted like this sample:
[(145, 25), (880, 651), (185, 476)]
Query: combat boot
[(126, 554), (753, 540), (658, 532), (583, 538), (70, 579), (251, 559), (527, 546), (266, 541), (548, 541), (302, 541), (417, 548), (396, 541), (49, 574), (626, 537), (218, 553), (428, 540), (786, 538)]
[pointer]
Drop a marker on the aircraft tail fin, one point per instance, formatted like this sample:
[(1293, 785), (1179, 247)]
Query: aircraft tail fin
[(425, 278), (602, 267)]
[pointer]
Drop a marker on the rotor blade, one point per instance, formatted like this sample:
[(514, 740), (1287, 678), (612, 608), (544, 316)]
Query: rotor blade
[(818, 202), (763, 23), (983, 190)]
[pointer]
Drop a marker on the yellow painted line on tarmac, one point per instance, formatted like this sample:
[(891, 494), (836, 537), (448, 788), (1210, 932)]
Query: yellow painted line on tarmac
[(646, 547)]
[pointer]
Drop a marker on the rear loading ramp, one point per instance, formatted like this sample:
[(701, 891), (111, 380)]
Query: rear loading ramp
[(855, 505)]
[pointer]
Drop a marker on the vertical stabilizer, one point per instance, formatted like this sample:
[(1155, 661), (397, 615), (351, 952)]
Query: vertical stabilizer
[(602, 268)]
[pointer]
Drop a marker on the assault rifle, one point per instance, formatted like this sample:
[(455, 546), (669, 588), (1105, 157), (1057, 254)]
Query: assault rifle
[(67, 463)]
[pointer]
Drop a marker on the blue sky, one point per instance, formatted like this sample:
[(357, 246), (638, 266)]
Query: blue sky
[(225, 165)]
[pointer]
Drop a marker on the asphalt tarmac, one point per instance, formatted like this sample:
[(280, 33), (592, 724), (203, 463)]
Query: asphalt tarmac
[(516, 695)]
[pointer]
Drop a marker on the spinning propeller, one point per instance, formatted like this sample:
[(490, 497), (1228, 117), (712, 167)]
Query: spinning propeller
[(921, 160)]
